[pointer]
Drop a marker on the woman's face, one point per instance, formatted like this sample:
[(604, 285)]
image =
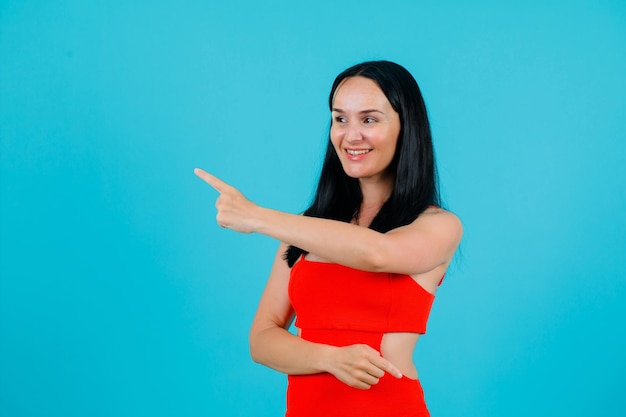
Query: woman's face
[(364, 129)]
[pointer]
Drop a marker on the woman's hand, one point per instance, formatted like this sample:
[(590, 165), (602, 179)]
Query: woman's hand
[(360, 366), (234, 210)]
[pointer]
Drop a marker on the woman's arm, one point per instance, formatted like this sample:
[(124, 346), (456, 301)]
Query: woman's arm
[(428, 242), (271, 344)]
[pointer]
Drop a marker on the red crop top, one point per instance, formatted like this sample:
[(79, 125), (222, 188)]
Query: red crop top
[(332, 296)]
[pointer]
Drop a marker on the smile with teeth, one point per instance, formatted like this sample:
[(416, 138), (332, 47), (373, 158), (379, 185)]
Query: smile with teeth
[(356, 152)]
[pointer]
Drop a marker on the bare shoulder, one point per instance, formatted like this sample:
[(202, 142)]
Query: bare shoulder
[(440, 214), (442, 222), (427, 244)]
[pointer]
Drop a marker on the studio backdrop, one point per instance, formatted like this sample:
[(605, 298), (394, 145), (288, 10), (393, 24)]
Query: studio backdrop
[(119, 294)]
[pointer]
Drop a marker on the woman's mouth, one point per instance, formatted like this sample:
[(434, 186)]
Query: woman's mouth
[(357, 152)]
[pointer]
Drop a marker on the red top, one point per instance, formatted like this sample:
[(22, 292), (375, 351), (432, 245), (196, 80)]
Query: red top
[(332, 296)]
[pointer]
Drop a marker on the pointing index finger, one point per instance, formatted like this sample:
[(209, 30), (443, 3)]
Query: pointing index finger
[(212, 180), (393, 370), (388, 367)]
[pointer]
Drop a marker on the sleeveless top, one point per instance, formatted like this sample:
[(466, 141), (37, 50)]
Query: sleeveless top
[(332, 296), (340, 306)]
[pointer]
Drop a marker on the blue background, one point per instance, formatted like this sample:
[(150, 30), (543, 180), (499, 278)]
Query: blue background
[(121, 297)]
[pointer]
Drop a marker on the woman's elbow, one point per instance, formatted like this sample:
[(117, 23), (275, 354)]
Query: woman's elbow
[(255, 356), (255, 350), (259, 343)]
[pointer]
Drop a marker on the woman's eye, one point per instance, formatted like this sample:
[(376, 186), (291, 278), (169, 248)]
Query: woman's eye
[(368, 120), (340, 119)]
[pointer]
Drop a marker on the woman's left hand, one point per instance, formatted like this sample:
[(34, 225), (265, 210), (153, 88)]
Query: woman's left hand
[(234, 210)]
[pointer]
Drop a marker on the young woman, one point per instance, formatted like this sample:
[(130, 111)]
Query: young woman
[(359, 269)]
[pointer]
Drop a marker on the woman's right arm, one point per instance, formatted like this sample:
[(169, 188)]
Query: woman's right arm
[(271, 344)]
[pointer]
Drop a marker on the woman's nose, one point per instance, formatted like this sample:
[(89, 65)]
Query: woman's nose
[(353, 134)]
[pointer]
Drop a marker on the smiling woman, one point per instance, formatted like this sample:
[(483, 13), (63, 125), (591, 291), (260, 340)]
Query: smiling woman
[(364, 129), (359, 269)]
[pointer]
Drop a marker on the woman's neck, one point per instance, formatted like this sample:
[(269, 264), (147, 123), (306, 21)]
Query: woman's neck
[(375, 194)]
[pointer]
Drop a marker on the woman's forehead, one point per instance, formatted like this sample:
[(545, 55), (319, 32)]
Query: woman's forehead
[(359, 93)]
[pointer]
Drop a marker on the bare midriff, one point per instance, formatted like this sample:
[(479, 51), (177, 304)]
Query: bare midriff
[(398, 349)]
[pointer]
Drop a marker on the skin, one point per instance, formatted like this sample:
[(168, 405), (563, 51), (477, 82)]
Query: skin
[(363, 120)]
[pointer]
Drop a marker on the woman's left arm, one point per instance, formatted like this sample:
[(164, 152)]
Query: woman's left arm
[(419, 247)]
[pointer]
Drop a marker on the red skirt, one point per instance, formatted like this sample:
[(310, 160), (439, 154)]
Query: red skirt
[(324, 395)]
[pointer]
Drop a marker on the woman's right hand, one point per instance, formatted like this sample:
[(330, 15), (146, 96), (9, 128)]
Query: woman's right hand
[(233, 208), (360, 366)]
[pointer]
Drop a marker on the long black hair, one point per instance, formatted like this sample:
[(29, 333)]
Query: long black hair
[(339, 197)]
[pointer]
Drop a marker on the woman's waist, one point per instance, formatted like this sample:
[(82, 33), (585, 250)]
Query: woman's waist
[(342, 337), (397, 347)]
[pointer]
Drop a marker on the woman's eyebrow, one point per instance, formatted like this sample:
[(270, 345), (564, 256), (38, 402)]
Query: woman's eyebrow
[(336, 110)]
